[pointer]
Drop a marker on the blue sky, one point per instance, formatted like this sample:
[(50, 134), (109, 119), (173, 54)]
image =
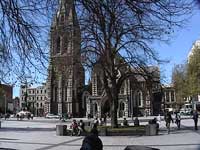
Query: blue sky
[(178, 48), (176, 51)]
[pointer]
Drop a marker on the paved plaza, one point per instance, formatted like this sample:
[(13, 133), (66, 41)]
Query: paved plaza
[(40, 134)]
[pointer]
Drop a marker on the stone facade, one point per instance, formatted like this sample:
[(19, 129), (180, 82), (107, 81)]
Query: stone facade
[(33, 98), (135, 98), (6, 93), (169, 98), (65, 74)]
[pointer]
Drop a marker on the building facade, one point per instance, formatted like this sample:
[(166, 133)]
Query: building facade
[(65, 74), (169, 99), (16, 105), (6, 93), (136, 98), (33, 99)]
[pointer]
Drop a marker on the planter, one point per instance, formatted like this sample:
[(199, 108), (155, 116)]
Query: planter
[(151, 129)]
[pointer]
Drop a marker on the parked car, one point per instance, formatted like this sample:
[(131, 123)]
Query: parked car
[(52, 116)]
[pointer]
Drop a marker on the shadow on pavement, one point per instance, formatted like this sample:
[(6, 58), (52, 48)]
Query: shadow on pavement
[(7, 139), (26, 129), (7, 148)]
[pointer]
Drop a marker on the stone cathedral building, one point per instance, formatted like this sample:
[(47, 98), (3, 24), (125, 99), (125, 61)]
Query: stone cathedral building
[(65, 83), (65, 73), (136, 96)]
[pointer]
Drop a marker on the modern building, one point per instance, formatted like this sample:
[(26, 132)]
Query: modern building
[(6, 93), (33, 99), (65, 74)]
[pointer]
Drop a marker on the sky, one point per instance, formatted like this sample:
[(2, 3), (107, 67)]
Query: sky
[(180, 45), (176, 51)]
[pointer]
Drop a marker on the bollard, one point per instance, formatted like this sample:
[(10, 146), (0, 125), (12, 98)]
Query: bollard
[(61, 130)]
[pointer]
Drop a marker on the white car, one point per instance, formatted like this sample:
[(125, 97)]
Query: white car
[(52, 116)]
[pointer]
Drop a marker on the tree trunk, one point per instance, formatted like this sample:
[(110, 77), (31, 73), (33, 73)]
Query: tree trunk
[(114, 107), (114, 121)]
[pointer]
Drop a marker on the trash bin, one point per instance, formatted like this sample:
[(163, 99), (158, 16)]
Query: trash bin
[(151, 129), (138, 147), (61, 130)]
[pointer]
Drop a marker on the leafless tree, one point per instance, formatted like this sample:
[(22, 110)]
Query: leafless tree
[(126, 29), (24, 27)]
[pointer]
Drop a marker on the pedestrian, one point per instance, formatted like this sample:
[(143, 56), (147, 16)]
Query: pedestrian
[(82, 125), (74, 127), (125, 122), (92, 141), (159, 119), (178, 120), (195, 118), (96, 121), (168, 120), (136, 122)]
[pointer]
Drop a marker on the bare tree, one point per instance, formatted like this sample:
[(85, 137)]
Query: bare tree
[(125, 29), (24, 27)]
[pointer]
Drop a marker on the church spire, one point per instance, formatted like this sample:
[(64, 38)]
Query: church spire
[(65, 13)]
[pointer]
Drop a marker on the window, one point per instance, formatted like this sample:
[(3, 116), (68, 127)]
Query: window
[(172, 96), (140, 98), (41, 91), (167, 96)]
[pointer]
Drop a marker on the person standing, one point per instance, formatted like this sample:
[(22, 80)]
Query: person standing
[(195, 118), (159, 119), (168, 120), (178, 120)]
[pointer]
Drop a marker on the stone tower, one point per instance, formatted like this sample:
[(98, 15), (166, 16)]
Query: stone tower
[(65, 73)]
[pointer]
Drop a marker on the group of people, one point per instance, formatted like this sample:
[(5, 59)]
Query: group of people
[(77, 128), (91, 141), (168, 119)]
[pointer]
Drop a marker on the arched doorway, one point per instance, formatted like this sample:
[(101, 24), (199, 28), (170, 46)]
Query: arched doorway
[(106, 108), (95, 108)]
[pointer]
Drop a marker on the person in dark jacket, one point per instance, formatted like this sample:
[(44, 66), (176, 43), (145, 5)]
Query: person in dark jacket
[(195, 118), (92, 142), (168, 120)]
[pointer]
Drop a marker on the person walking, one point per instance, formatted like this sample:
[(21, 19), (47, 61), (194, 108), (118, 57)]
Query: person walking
[(195, 118), (168, 120), (178, 120)]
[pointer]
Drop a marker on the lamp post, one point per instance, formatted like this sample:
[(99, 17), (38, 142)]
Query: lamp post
[(5, 102)]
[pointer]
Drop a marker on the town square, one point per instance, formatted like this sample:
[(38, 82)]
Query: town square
[(99, 74)]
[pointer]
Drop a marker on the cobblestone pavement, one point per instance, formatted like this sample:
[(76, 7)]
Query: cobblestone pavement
[(40, 134)]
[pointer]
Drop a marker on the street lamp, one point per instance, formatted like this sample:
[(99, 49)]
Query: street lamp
[(5, 102)]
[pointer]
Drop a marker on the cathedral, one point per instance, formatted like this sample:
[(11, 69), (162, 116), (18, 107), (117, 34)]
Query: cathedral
[(65, 73), (66, 92)]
